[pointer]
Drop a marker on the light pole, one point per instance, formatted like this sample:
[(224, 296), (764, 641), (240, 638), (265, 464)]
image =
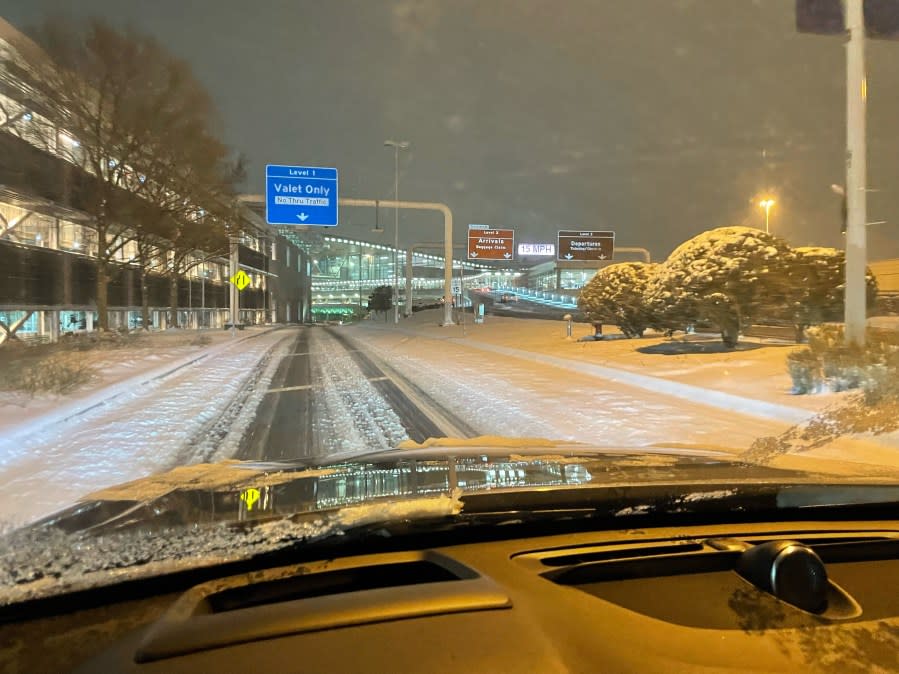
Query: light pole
[(397, 145), (203, 277), (767, 204), (855, 314)]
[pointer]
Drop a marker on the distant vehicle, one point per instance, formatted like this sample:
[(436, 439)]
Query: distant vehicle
[(508, 297)]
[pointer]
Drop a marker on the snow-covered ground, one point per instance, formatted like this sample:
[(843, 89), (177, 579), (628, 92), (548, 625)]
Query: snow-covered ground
[(170, 403), (533, 392), (147, 424), (145, 355), (524, 377), (756, 369), (182, 404)]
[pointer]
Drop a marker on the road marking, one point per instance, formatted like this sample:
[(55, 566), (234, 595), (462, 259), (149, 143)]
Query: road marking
[(378, 378), (289, 388)]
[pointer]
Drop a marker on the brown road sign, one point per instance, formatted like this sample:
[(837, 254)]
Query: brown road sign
[(585, 245), (486, 243)]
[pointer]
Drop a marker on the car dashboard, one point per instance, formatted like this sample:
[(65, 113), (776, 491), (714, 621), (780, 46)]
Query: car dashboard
[(653, 599)]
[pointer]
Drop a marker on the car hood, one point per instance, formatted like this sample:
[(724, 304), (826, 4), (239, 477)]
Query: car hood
[(240, 491), (213, 514)]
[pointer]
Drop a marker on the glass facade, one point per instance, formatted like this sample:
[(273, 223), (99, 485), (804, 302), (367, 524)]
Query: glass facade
[(346, 271), (550, 276)]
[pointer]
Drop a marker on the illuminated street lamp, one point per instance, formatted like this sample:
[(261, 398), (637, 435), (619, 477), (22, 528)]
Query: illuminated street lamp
[(397, 145), (767, 204)]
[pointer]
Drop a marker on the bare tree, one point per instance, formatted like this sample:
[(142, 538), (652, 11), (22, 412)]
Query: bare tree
[(200, 234), (187, 188), (113, 103), (150, 246)]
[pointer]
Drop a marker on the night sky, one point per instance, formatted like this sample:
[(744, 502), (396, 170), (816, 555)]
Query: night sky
[(653, 118)]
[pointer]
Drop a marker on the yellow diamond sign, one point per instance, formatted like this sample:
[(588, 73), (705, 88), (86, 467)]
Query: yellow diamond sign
[(241, 279)]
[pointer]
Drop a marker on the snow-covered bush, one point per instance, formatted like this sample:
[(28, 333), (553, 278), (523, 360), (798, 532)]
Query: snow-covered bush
[(817, 286), (726, 276), (830, 362), (805, 371), (617, 295), (886, 305)]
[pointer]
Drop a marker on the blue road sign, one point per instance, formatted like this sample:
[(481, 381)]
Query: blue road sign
[(300, 195)]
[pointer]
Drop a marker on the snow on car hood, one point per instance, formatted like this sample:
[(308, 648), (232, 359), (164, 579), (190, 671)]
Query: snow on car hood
[(230, 511), (247, 491)]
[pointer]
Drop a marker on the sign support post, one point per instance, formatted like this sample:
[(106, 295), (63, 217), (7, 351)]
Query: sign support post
[(447, 240), (856, 198)]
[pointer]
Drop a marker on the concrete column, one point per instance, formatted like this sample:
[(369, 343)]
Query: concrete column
[(50, 325), (53, 235)]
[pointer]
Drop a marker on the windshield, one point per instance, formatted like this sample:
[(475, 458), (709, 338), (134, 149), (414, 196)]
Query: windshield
[(237, 242)]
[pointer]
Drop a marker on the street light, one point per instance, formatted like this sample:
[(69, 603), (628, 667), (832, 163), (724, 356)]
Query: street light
[(397, 145), (767, 204)]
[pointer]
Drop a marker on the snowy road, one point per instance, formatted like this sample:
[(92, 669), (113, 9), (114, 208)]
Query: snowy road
[(151, 427), (315, 392), (329, 398), (293, 393)]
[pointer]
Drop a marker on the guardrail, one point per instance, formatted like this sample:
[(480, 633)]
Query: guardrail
[(547, 297)]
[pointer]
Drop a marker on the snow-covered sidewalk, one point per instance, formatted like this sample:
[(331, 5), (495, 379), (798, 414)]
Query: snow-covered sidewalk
[(138, 427), (512, 392), (751, 379), (523, 377), (115, 368)]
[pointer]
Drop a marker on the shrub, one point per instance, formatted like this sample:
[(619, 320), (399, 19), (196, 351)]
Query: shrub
[(617, 295), (59, 373), (817, 284), (805, 371), (101, 340), (829, 361), (726, 276)]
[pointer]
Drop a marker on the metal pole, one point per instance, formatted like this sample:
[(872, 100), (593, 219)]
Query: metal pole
[(396, 234), (397, 145), (409, 253), (856, 165), (203, 300), (767, 210), (407, 311), (642, 251), (462, 294), (235, 302), (447, 241)]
